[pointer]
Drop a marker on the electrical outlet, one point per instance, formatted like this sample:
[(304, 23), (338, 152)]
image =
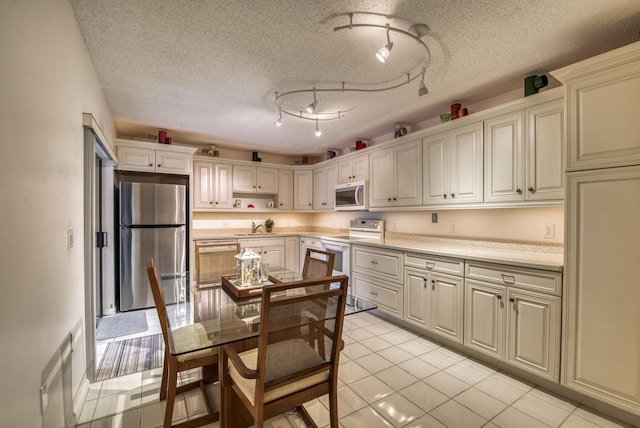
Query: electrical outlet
[(434, 217), (70, 237), (225, 224), (395, 225), (549, 231), (453, 228)]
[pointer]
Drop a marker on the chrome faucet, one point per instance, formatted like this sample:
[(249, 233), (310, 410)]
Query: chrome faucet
[(254, 227)]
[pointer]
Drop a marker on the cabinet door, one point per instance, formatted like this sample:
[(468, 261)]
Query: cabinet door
[(416, 295), (244, 178), (267, 180), (545, 152), (534, 332), (203, 173), (601, 350), (302, 189), (382, 180), (447, 297), (172, 162), (274, 255), (408, 174), (319, 189), (602, 112), (331, 179), (360, 167), (436, 162), (504, 158), (484, 320), (136, 159), (345, 171), (292, 253), (223, 192), (466, 164), (285, 189)]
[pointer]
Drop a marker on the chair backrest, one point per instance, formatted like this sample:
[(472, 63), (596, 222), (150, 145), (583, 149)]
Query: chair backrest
[(289, 313), (317, 264), (158, 299)]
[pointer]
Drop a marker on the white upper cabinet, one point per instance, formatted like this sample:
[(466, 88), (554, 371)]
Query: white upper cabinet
[(251, 179), (504, 157), (603, 107), (211, 185), (354, 168), (453, 166), (325, 179), (396, 176), (545, 151), (302, 189), (285, 189), (524, 153), (149, 157)]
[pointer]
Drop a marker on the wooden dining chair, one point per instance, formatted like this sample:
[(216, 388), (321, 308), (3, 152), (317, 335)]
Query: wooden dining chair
[(285, 371), (206, 359), (317, 264)]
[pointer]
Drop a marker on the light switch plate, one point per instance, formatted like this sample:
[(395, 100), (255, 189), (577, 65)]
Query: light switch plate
[(70, 237)]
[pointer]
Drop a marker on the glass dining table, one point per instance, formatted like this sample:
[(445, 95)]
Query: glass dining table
[(216, 316)]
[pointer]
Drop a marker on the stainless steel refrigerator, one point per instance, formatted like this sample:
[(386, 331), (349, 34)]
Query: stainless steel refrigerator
[(152, 224)]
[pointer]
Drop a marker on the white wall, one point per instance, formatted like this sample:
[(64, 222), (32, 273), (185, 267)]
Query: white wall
[(46, 82)]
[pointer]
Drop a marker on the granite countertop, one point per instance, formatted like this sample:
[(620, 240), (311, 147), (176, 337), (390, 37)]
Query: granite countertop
[(528, 255), (522, 255)]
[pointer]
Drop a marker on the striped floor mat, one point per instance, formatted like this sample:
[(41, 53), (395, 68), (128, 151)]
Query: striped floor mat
[(127, 356)]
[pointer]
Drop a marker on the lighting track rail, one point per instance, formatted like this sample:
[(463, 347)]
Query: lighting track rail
[(310, 112)]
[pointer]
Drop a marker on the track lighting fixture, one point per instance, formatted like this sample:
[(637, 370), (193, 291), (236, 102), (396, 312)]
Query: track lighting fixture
[(383, 52), (415, 32), (278, 123), (312, 107), (422, 89)]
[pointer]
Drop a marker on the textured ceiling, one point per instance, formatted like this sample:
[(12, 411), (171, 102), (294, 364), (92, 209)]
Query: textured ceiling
[(207, 71)]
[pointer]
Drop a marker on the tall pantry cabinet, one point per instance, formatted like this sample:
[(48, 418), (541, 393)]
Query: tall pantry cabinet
[(601, 316)]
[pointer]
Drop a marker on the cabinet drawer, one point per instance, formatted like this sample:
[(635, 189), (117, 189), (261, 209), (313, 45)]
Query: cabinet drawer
[(531, 279), (388, 299), (434, 264), (382, 263), (261, 242)]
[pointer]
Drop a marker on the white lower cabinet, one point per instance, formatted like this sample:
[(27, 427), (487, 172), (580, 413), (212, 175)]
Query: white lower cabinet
[(377, 276), (506, 319), (292, 253), (433, 299), (270, 249)]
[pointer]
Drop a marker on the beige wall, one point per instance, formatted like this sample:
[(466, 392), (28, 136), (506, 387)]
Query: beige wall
[(46, 82), (508, 224)]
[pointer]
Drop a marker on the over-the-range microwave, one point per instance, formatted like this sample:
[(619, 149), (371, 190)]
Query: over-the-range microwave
[(352, 196)]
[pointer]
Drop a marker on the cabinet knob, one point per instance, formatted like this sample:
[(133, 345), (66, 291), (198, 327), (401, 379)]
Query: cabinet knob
[(280, 203), (389, 199), (394, 199), (519, 191), (259, 187), (374, 293), (511, 299), (216, 202), (254, 186), (453, 195), (309, 204), (159, 165), (211, 202), (532, 190), (373, 262), (499, 297), (445, 196), (150, 164)]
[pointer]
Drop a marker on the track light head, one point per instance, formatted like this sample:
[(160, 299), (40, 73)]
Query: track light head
[(422, 89), (311, 107), (383, 52), (278, 123), (318, 132)]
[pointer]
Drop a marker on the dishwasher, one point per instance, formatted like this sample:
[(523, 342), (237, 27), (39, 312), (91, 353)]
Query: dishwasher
[(214, 259)]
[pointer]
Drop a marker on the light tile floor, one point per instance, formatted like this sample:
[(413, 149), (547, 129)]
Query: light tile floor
[(389, 377)]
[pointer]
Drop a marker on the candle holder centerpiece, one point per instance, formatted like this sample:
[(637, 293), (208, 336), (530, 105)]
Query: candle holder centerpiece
[(247, 268)]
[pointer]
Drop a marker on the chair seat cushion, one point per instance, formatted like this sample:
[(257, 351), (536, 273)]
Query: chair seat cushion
[(192, 336), (283, 358)]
